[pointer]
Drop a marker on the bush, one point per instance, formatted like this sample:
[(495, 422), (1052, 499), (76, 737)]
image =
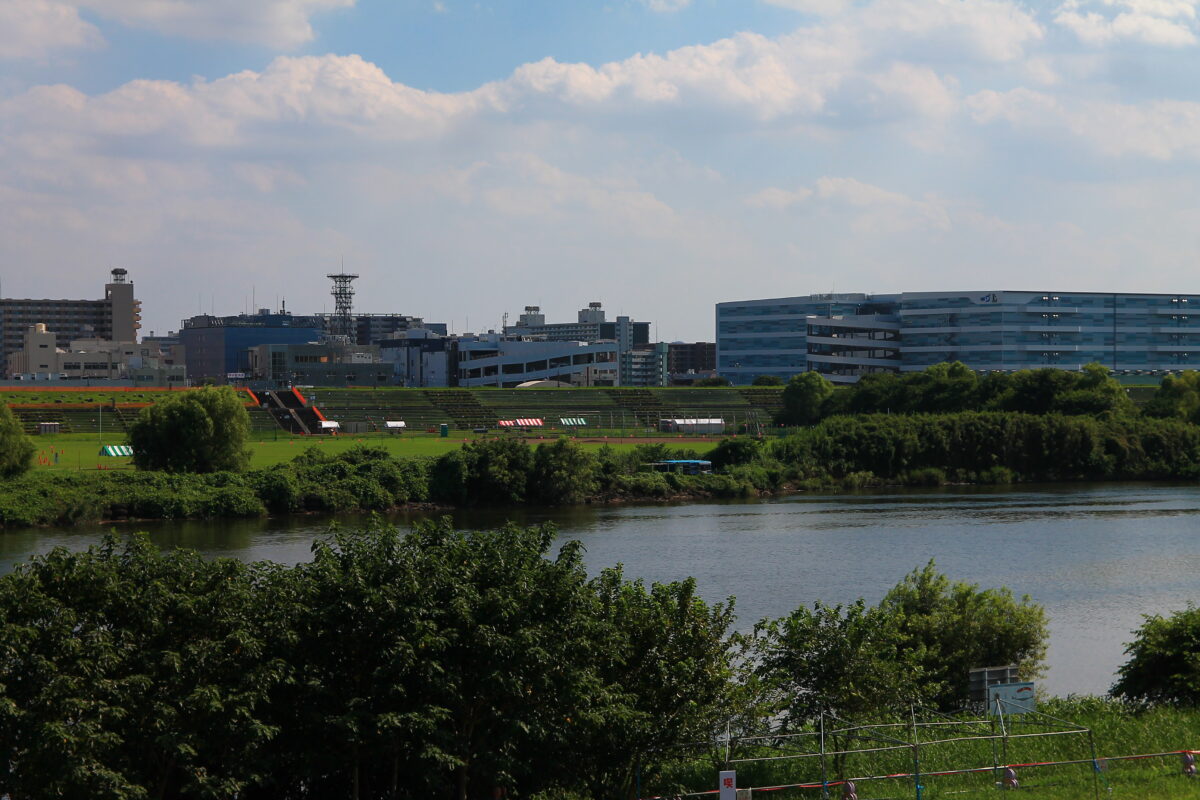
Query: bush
[(202, 430), (1164, 663)]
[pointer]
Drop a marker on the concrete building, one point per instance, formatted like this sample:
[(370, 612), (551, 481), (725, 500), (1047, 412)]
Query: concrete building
[(645, 366), (493, 360), (590, 326), (97, 360), (683, 357), (218, 348), (421, 358), (116, 317), (324, 363), (845, 336)]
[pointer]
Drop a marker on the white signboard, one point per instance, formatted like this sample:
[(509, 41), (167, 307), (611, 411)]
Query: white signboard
[(727, 784), (1011, 698)]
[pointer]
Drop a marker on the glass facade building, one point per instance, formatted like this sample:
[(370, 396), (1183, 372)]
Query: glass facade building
[(845, 336)]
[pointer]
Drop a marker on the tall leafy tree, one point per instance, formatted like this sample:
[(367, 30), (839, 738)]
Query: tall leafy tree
[(665, 662), (202, 430), (951, 627), (803, 398), (131, 673), (16, 448)]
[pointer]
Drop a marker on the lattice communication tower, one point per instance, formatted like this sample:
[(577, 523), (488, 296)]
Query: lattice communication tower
[(343, 304)]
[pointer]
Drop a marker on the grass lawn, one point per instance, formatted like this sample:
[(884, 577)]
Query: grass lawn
[(73, 451)]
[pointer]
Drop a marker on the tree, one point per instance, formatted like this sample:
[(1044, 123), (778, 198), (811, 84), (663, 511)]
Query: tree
[(1164, 661), (202, 430), (486, 471), (767, 380), (126, 672), (563, 473), (952, 627), (16, 448), (848, 660), (1177, 396), (803, 397), (664, 662), (735, 452)]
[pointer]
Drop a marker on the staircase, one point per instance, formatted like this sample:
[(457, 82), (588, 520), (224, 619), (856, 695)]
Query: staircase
[(293, 415), (641, 403), (462, 407)]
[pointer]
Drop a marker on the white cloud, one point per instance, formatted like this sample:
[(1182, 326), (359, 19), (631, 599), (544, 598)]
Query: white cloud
[(874, 209), (825, 8), (1160, 129), (1167, 23), (666, 6), (36, 28)]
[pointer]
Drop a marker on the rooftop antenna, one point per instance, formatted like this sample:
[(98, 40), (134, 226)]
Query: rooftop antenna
[(343, 301)]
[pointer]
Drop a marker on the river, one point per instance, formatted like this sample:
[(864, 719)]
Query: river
[(1097, 556)]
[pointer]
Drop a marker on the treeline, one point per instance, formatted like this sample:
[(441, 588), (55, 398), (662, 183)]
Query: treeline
[(437, 664), (486, 472), (950, 388), (969, 447)]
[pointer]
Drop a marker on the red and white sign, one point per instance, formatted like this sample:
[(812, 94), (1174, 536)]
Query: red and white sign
[(727, 785)]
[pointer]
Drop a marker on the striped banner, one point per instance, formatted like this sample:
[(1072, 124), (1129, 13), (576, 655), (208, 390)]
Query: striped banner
[(572, 421), (507, 423), (120, 450), (530, 423)]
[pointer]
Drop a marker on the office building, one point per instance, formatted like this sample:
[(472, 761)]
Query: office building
[(375, 328), (218, 348), (590, 326), (116, 317), (845, 336)]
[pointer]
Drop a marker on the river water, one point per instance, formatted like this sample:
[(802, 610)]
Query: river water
[(1097, 557)]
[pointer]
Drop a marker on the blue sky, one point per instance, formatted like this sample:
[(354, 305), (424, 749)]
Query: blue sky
[(469, 158)]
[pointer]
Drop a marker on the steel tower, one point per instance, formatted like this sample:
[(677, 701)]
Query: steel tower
[(343, 304)]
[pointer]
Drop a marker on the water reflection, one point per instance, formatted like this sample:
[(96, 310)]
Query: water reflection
[(1097, 556)]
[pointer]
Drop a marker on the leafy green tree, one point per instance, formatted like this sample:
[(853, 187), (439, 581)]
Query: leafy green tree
[(735, 452), (130, 673), (201, 430), (563, 473), (803, 398), (951, 627), (16, 448), (1177, 396), (847, 660), (664, 662), (1164, 661), (767, 380), (486, 471)]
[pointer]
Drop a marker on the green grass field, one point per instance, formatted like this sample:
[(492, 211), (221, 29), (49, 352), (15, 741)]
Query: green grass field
[(81, 451)]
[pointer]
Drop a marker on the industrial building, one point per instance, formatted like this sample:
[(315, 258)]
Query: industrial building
[(845, 336), (116, 317)]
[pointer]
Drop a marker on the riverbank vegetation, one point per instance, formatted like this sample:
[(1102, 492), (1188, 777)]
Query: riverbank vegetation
[(946, 424), (449, 664)]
